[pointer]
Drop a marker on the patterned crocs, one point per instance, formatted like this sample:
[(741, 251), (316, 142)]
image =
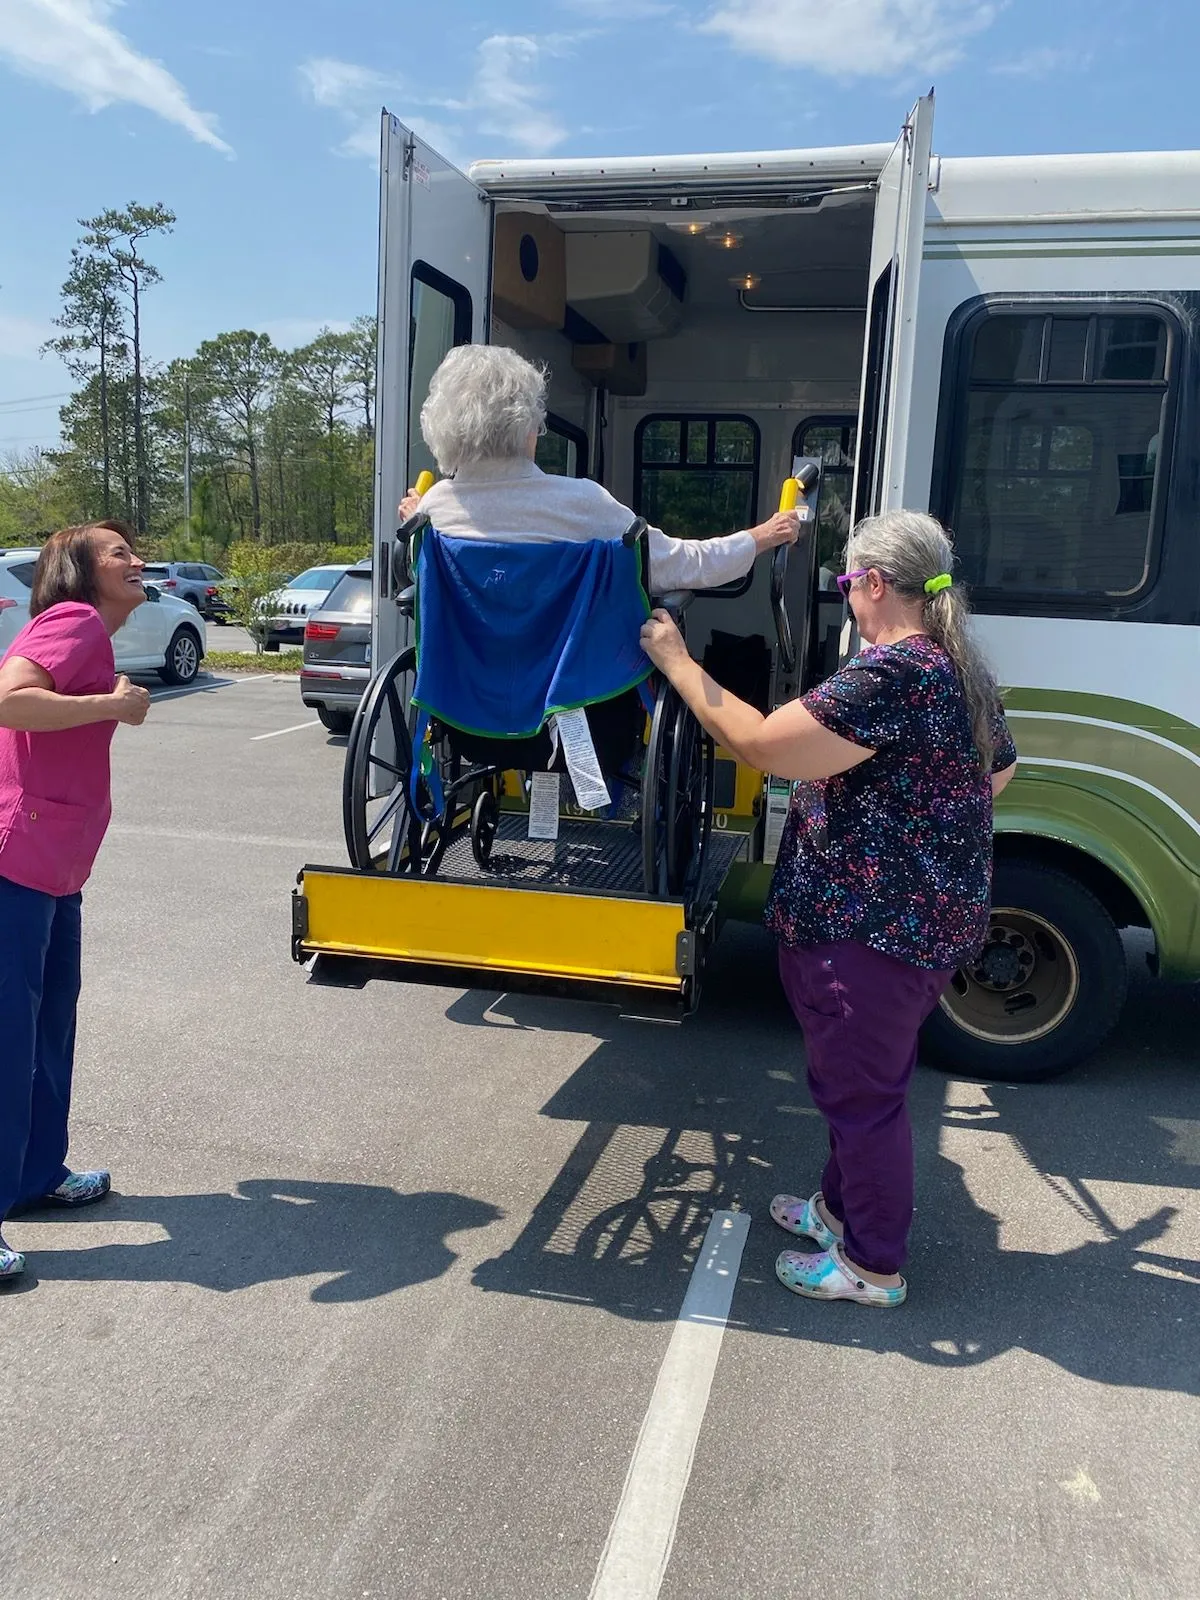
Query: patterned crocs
[(12, 1262), (825, 1276), (80, 1189), (802, 1217)]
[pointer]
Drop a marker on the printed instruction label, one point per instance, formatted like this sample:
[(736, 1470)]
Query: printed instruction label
[(583, 765), (543, 805), (779, 798)]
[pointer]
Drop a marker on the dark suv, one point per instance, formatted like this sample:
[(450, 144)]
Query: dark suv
[(193, 581), (337, 650)]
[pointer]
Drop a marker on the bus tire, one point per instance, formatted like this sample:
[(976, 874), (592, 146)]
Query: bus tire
[(1046, 990)]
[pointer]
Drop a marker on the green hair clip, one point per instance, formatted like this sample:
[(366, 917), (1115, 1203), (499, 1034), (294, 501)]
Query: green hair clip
[(936, 585)]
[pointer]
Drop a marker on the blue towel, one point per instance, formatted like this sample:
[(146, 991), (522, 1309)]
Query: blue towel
[(509, 633)]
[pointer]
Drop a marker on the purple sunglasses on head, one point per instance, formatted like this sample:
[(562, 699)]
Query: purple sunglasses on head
[(845, 579)]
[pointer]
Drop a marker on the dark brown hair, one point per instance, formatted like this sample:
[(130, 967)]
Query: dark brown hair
[(66, 568)]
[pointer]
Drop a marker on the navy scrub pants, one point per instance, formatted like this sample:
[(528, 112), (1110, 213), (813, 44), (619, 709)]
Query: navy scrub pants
[(39, 988)]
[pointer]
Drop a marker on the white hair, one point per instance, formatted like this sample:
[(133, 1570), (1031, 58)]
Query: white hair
[(484, 402)]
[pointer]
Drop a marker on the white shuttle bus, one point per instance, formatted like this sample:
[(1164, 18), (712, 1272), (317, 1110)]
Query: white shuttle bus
[(1009, 343)]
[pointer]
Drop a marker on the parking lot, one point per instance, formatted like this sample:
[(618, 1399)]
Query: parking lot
[(386, 1301)]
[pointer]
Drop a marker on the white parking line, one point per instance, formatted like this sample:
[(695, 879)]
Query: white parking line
[(279, 732), (207, 687), (639, 1542)]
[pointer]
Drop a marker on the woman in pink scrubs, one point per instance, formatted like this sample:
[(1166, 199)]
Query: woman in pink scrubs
[(60, 702)]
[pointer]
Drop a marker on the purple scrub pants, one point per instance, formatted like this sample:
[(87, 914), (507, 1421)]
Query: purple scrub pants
[(861, 1011)]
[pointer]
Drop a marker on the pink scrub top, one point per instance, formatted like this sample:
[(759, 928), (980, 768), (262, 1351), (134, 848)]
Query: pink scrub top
[(55, 798)]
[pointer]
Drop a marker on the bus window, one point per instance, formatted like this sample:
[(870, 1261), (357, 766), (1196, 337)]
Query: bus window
[(562, 449), (440, 318), (694, 477), (831, 441), (1056, 463)]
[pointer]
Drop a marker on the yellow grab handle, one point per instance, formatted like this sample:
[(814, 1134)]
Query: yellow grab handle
[(425, 482), (789, 494)]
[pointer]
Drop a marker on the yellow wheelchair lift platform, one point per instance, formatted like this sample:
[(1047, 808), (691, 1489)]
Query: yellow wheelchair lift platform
[(564, 915)]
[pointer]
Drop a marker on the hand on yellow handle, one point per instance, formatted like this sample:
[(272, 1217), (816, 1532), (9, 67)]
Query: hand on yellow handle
[(789, 494), (410, 505)]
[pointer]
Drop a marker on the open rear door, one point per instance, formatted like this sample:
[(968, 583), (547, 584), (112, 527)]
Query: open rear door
[(897, 245), (435, 240)]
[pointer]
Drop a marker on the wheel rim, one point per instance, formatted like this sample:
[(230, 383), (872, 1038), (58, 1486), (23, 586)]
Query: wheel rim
[(381, 831), (1023, 985), (185, 658), (655, 779), (691, 775)]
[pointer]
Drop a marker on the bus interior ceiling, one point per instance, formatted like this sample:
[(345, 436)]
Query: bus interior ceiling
[(764, 327)]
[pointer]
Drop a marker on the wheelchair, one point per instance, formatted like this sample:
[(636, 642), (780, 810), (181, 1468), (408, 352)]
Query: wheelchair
[(651, 751)]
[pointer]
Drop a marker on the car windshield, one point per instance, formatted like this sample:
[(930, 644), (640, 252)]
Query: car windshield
[(317, 578)]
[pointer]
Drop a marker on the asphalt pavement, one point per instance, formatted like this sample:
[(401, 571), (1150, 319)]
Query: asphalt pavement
[(387, 1302)]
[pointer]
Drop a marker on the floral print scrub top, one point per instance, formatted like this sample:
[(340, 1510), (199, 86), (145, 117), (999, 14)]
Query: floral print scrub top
[(897, 852)]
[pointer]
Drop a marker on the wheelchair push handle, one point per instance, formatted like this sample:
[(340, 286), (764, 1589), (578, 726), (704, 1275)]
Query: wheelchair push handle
[(789, 498)]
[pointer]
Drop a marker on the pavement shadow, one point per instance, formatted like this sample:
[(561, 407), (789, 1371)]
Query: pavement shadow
[(681, 1122), (372, 1239)]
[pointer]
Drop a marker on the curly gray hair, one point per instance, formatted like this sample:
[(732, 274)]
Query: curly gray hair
[(484, 402)]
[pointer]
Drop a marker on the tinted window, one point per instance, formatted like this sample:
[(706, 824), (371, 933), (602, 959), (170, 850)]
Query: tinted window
[(696, 476), (440, 318), (1059, 424), (832, 442), (562, 449), (351, 594), (23, 572), (211, 574), (156, 572)]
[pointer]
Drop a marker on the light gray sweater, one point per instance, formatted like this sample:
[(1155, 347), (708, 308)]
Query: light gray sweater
[(515, 499)]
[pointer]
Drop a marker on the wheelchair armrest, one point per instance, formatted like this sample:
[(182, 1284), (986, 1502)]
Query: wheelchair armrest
[(675, 603)]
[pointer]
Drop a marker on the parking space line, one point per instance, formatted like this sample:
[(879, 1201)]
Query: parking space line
[(639, 1542), (279, 732)]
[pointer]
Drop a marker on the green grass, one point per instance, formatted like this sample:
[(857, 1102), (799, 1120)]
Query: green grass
[(243, 661)]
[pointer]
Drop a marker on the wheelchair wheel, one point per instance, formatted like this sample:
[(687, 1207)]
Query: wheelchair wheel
[(655, 778), (485, 821), (691, 789), (677, 797), (382, 834)]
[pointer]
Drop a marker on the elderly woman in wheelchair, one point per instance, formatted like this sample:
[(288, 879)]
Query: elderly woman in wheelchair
[(527, 593)]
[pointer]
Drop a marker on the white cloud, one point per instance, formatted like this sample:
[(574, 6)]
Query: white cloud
[(501, 101), (853, 38), (1044, 62), (508, 107), (71, 44)]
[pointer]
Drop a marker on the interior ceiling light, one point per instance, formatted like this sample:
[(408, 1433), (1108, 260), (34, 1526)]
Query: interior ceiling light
[(692, 229), (727, 240), (746, 281)]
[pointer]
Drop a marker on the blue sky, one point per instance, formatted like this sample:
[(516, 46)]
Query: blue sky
[(257, 121)]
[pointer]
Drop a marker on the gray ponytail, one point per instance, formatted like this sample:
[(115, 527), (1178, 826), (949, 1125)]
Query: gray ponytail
[(909, 548)]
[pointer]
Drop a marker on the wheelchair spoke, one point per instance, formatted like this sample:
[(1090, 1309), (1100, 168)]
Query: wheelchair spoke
[(398, 798)]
